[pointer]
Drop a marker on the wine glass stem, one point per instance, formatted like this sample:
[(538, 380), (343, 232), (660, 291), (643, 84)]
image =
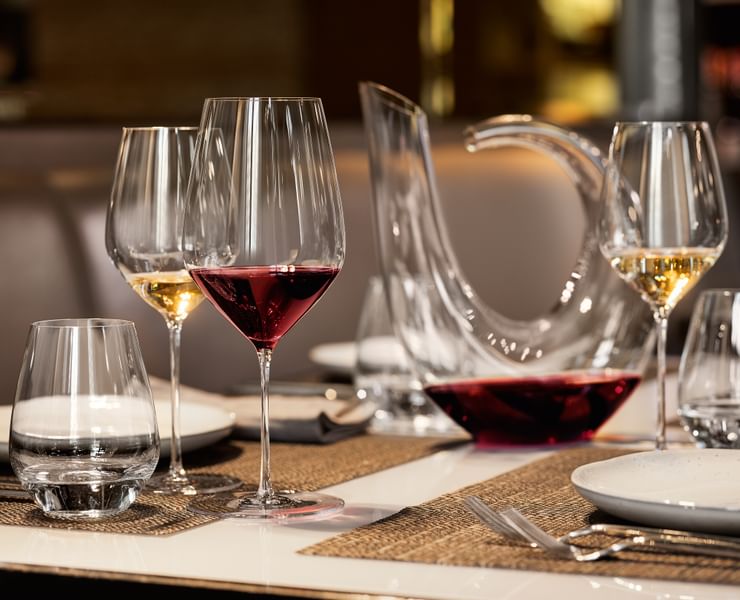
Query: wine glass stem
[(176, 469), (265, 491), (662, 330)]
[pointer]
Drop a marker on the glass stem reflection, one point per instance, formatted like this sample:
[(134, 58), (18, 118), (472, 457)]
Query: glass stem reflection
[(176, 469), (265, 491), (661, 322)]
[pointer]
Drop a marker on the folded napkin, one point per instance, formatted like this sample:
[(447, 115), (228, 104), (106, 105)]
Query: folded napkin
[(309, 413), (310, 418)]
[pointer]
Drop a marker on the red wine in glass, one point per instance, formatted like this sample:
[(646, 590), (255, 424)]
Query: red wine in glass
[(534, 410), (263, 238), (264, 302)]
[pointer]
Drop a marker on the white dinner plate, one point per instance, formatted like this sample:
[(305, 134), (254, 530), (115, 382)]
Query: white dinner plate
[(202, 424), (338, 357), (377, 353), (694, 489)]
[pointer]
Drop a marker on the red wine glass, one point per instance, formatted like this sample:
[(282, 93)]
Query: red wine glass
[(263, 239)]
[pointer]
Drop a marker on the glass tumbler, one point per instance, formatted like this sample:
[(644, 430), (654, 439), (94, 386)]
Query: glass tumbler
[(83, 434), (709, 374)]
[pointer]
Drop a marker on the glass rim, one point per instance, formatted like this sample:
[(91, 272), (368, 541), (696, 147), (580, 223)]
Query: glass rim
[(79, 323), (264, 99), (393, 98), (153, 128), (720, 292), (660, 122)]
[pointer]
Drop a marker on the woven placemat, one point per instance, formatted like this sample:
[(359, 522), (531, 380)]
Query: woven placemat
[(443, 532), (306, 467)]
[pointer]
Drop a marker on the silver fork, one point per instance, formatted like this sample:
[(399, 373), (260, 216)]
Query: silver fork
[(513, 524)]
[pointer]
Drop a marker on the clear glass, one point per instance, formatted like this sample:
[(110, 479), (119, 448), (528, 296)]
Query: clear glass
[(143, 237), (83, 432), (664, 219), (263, 238), (709, 375), (383, 375), (556, 378)]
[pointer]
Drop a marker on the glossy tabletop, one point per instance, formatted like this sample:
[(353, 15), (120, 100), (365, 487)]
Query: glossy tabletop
[(264, 558)]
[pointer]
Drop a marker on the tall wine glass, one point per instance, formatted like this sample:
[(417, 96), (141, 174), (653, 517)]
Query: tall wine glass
[(143, 237), (264, 238), (664, 219)]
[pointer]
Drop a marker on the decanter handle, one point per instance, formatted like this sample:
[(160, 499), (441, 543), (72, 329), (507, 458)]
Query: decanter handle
[(581, 160)]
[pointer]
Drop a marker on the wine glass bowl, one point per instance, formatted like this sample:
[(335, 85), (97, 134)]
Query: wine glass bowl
[(664, 219), (143, 238), (263, 238)]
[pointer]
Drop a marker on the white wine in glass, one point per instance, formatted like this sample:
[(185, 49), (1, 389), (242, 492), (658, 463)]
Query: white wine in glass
[(143, 237), (172, 293), (665, 275), (664, 220)]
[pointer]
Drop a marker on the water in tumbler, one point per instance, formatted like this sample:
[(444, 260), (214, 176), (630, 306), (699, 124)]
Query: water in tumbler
[(91, 475), (714, 423)]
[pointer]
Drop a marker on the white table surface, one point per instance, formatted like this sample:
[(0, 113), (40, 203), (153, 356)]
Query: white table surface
[(238, 551)]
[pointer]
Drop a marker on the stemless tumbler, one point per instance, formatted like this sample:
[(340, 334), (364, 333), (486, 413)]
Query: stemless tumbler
[(709, 375), (83, 434)]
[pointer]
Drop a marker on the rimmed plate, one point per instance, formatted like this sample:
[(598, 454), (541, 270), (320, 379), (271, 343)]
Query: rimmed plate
[(338, 357), (378, 352), (694, 489), (202, 424)]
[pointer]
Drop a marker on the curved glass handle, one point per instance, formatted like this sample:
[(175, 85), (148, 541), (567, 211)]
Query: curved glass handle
[(581, 160)]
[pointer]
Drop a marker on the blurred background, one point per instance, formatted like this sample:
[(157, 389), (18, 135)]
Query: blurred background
[(73, 72)]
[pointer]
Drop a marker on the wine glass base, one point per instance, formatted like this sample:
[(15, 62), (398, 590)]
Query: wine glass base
[(191, 484), (287, 505)]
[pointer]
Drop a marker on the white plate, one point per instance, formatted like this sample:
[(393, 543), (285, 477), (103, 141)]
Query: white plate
[(377, 353), (694, 489), (339, 357), (202, 424)]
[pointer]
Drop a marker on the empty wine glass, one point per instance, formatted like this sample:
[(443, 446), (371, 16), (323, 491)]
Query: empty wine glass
[(709, 375), (143, 236), (664, 219), (264, 238)]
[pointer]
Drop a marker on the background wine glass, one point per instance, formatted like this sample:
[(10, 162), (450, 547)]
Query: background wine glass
[(264, 238), (664, 220), (143, 236), (709, 375)]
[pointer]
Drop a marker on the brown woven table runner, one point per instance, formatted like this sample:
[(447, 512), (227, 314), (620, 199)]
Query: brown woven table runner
[(443, 532), (298, 466)]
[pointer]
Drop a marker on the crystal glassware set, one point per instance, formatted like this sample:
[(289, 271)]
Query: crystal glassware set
[(245, 211)]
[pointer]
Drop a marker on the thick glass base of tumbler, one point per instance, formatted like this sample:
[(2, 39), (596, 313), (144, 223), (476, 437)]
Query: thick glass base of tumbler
[(192, 484), (284, 506)]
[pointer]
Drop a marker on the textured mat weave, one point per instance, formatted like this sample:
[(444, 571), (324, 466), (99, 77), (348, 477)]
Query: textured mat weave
[(298, 466), (443, 532)]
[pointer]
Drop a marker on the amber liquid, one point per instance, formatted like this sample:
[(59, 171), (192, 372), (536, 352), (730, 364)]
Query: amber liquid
[(172, 293), (663, 277)]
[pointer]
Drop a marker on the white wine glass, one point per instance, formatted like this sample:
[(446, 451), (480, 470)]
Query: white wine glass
[(263, 238), (143, 236), (664, 220)]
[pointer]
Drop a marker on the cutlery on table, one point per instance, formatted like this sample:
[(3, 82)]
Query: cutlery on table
[(512, 524)]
